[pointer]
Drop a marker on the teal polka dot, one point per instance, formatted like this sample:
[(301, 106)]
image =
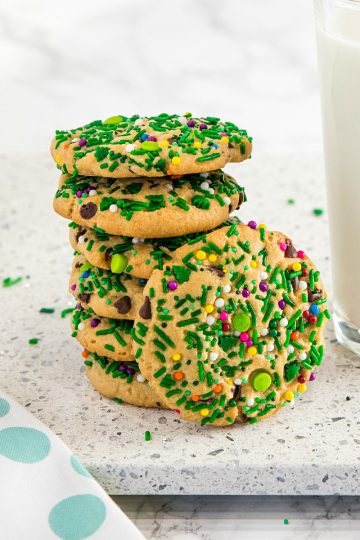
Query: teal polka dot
[(77, 517), (24, 444), (4, 407), (79, 467)]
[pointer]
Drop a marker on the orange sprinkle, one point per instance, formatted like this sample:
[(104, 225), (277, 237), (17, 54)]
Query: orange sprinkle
[(178, 375), (217, 388), (294, 335), (195, 397), (85, 353), (66, 146)]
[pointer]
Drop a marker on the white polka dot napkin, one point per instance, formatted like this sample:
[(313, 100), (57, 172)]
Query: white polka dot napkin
[(45, 492)]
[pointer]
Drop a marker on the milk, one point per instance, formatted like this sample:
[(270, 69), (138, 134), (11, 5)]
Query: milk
[(339, 64)]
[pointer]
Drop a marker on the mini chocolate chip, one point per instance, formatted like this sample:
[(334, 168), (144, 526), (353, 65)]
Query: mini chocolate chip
[(145, 310), (230, 208), (290, 251), (84, 297), (78, 264), (88, 210), (123, 305), (216, 270), (80, 233), (314, 295), (295, 283), (237, 392), (108, 255)]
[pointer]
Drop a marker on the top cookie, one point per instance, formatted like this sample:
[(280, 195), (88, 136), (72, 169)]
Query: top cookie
[(234, 326), (122, 147)]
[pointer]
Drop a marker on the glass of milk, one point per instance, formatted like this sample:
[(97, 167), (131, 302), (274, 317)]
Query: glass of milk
[(338, 38)]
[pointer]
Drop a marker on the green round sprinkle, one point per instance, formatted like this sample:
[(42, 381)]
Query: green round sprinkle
[(113, 120), (286, 521), (241, 322), (118, 263), (149, 146), (291, 201), (318, 211), (261, 381)]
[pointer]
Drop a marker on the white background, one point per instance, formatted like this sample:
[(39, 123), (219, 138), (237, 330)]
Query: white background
[(67, 62)]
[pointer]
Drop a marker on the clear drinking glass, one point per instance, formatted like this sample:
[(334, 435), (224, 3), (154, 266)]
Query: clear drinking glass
[(338, 39)]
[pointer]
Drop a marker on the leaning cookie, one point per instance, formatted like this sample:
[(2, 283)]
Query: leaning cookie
[(149, 208), (161, 145), (121, 381), (106, 337), (235, 326), (135, 256), (108, 295)]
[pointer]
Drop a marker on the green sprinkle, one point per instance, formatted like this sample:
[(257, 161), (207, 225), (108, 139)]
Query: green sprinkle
[(9, 282), (160, 372), (291, 201), (147, 436), (33, 341), (318, 211), (286, 521), (47, 310), (66, 312)]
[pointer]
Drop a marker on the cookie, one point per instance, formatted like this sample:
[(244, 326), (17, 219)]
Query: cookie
[(149, 208), (121, 381), (135, 256), (161, 145), (106, 337), (108, 295), (236, 326)]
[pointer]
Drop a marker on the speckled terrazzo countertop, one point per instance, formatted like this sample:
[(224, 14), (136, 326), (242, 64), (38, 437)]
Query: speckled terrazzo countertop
[(312, 449)]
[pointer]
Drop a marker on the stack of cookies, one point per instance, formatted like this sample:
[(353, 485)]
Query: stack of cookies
[(179, 305)]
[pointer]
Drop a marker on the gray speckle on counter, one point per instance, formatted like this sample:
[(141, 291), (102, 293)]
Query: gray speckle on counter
[(312, 449)]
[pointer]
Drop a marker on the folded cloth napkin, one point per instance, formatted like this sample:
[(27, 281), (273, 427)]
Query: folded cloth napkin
[(45, 492)]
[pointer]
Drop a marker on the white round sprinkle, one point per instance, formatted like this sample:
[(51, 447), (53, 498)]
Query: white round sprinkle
[(213, 356), (81, 239), (211, 190), (81, 326), (138, 122), (264, 331), (302, 285), (205, 185), (237, 382), (92, 192), (169, 187), (270, 347), (290, 349), (204, 174), (250, 402), (264, 275), (284, 322), (227, 288), (227, 200), (302, 356), (219, 302), (210, 320), (135, 240), (129, 147), (237, 333), (140, 378), (113, 208)]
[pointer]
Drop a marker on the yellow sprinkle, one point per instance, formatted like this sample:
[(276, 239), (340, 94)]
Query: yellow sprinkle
[(225, 270), (229, 381), (197, 144), (296, 266), (253, 264), (289, 396), (209, 308), (176, 356), (163, 144), (200, 255), (212, 257), (262, 226), (175, 160), (252, 351), (301, 387), (204, 412), (224, 139), (187, 113), (58, 159)]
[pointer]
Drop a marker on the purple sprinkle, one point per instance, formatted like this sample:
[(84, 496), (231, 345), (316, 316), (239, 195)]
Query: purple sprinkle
[(203, 126), (151, 138), (191, 123), (281, 304), (130, 371), (249, 343), (245, 293), (79, 194), (82, 142), (78, 306), (263, 286), (94, 323), (73, 287), (252, 224), (122, 367), (172, 285), (312, 376)]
